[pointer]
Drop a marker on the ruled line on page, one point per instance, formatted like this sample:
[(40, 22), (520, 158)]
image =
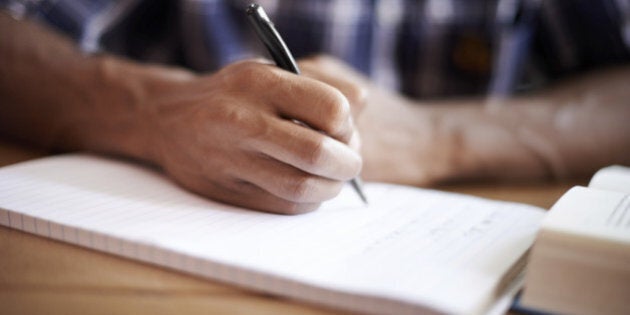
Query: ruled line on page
[(419, 238)]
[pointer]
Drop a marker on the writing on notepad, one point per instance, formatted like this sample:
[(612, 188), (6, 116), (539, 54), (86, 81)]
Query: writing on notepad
[(409, 250)]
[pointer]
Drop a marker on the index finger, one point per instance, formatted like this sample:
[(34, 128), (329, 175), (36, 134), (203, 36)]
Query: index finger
[(314, 103)]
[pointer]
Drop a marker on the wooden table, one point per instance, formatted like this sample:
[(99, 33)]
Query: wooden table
[(42, 276)]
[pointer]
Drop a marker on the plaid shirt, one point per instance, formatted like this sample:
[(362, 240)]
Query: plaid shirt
[(424, 48)]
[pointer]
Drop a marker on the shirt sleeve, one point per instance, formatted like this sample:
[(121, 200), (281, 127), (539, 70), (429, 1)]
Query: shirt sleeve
[(77, 19), (66, 18)]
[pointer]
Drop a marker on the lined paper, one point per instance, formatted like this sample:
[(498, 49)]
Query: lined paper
[(410, 250)]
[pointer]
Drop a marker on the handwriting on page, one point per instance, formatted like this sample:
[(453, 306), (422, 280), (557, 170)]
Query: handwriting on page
[(408, 241), (620, 216)]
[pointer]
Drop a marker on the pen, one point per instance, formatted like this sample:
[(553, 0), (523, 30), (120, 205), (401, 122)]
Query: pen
[(280, 53)]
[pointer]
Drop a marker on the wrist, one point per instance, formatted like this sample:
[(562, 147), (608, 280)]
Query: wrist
[(407, 143), (453, 156), (497, 140), (127, 102)]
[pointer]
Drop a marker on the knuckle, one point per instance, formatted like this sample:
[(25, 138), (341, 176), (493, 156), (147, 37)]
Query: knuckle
[(358, 95), (323, 60), (242, 124), (336, 111), (232, 118), (300, 188), (259, 130), (313, 154), (251, 72), (316, 60)]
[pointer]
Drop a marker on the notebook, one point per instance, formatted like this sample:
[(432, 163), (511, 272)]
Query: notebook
[(410, 251)]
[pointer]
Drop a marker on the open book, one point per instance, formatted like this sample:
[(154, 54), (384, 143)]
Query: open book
[(409, 251), (580, 263)]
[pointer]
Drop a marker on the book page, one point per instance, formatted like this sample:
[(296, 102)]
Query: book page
[(614, 178), (593, 213), (409, 248)]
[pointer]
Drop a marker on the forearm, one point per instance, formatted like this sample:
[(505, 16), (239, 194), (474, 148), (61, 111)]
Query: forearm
[(228, 135), (572, 129), (569, 130), (56, 97)]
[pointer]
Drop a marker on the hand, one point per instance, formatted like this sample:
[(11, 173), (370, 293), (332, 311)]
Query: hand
[(404, 142), (400, 141), (232, 136), (341, 76)]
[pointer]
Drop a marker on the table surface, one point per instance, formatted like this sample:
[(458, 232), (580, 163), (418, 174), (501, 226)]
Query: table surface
[(42, 276)]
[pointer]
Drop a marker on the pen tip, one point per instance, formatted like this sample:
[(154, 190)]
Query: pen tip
[(365, 201), (358, 187)]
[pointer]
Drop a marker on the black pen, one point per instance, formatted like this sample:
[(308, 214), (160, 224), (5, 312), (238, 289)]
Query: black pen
[(282, 56)]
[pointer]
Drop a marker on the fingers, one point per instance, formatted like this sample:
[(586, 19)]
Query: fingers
[(232, 137), (307, 150), (340, 76), (288, 182), (254, 181), (259, 199), (244, 194), (317, 104), (314, 103)]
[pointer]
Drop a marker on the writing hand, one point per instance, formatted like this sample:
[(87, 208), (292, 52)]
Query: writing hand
[(231, 136)]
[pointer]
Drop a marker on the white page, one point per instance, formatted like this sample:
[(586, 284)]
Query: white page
[(410, 247), (592, 213), (614, 178)]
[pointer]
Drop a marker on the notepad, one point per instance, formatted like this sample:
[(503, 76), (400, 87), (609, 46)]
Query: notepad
[(411, 250)]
